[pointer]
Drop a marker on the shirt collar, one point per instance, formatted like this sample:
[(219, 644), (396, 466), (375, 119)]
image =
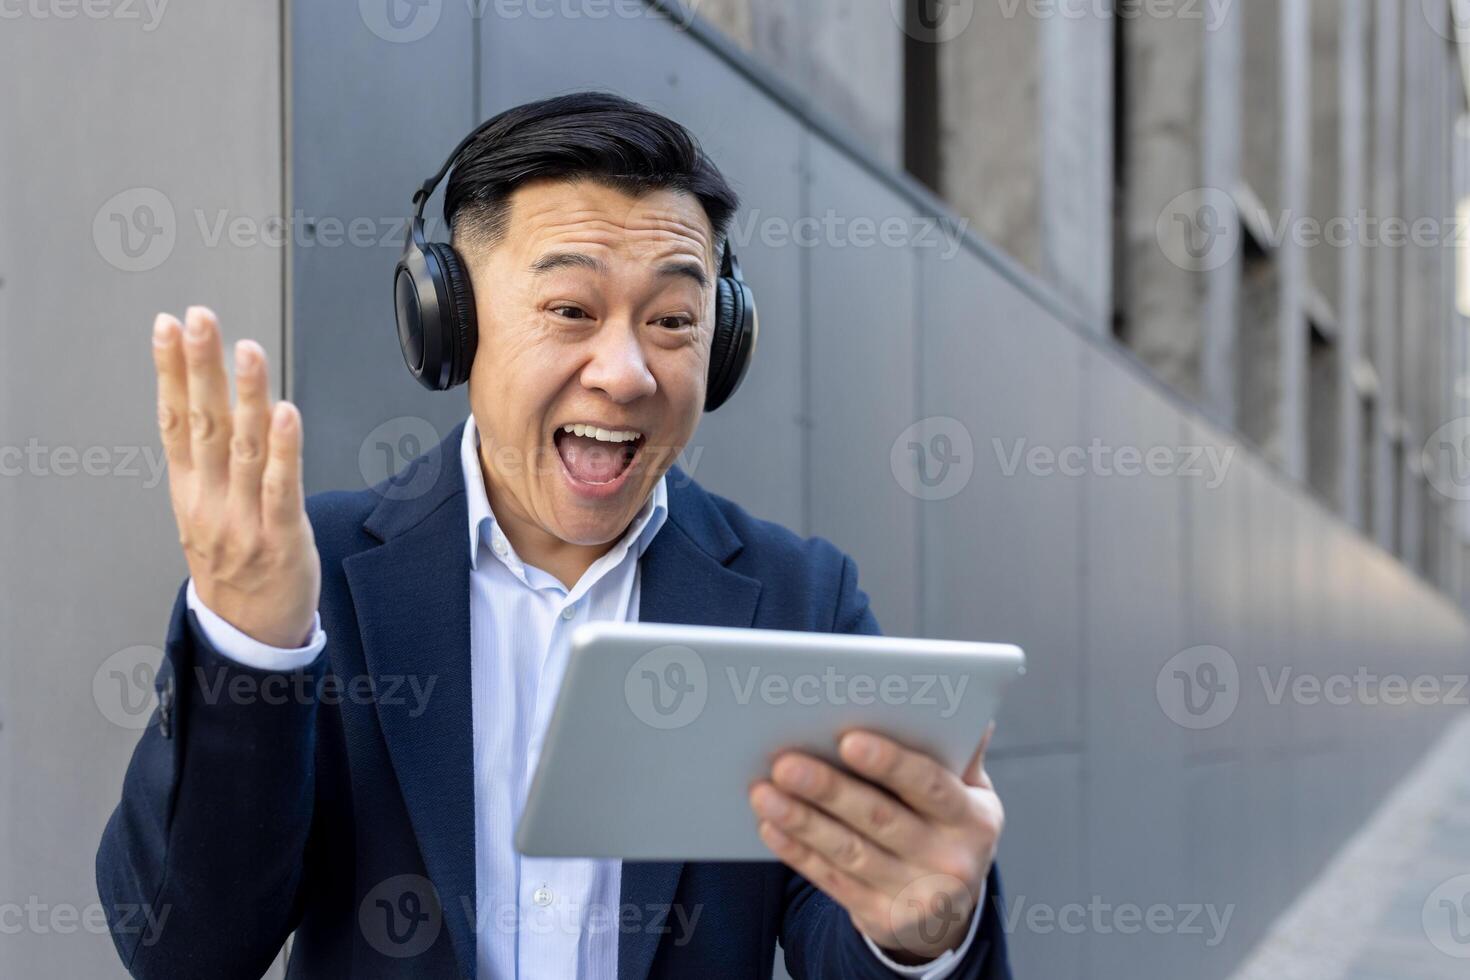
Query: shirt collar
[(483, 526)]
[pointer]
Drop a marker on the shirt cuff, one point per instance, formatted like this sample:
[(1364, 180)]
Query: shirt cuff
[(235, 645), (947, 963)]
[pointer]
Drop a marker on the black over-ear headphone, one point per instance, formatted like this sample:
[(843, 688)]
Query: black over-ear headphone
[(436, 309)]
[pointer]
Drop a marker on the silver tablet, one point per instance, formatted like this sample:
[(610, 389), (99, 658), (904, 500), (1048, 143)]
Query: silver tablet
[(659, 730)]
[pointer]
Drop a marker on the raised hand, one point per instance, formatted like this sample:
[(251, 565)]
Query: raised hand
[(235, 482)]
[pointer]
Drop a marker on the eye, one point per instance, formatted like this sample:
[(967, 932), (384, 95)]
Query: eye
[(570, 312), (674, 321)]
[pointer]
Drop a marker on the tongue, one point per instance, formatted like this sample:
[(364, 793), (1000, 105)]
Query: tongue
[(591, 461)]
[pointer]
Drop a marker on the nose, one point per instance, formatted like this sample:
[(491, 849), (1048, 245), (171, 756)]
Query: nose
[(618, 368)]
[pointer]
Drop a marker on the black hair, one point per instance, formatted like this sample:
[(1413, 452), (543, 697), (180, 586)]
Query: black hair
[(583, 135)]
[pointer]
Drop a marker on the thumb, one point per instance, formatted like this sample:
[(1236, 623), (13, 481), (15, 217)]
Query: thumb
[(975, 774)]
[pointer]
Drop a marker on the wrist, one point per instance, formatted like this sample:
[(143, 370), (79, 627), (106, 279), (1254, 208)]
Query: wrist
[(916, 955), (273, 633)]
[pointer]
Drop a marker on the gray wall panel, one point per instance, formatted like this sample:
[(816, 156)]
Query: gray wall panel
[(375, 108), (1259, 724), (1320, 579), (1261, 727), (1311, 731), (1134, 625), (126, 164), (1002, 554), (862, 324), (1229, 836), (1041, 860), (1218, 551)]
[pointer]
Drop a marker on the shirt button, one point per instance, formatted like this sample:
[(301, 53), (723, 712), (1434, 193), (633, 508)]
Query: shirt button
[(542, 896), (569, 612), (499, 547)]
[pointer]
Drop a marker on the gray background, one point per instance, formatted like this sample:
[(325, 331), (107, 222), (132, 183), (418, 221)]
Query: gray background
[(1102, 578)]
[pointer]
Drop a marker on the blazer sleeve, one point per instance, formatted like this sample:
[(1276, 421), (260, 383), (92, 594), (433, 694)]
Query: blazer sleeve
[(200, 864), (817, 935)]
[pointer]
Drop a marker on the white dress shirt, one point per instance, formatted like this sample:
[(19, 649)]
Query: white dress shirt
[(535, 917)]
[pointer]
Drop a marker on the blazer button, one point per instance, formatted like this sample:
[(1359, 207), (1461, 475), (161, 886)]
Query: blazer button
[(166, 709)]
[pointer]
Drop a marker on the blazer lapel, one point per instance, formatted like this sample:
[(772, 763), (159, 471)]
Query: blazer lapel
[(682, 579), (412, 600)]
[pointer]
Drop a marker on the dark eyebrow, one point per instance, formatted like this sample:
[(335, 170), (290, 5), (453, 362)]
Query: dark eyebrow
[(693, 270), (565, 260)]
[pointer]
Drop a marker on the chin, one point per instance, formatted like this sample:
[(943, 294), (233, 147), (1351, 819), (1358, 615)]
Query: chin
[(590, 530)]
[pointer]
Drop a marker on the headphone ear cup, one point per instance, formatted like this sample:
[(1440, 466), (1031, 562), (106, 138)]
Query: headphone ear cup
[(461, 331), (721, 344), (733, 345)]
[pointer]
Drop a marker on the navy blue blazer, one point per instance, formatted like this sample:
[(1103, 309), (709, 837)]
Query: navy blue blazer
[(258, 805)]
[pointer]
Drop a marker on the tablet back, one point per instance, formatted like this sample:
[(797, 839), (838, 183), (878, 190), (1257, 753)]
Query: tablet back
[(659, 730)]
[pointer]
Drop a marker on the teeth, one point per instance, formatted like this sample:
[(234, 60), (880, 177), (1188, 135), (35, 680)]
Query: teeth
[(601, 435)]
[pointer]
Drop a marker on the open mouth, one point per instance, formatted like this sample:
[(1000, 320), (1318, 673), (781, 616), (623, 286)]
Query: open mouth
[(594, 456)]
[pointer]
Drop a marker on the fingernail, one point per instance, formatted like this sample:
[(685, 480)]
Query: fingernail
[(281, 419), (198, 315), (772, 805), (244, 354), (163, 329), (863, 748)]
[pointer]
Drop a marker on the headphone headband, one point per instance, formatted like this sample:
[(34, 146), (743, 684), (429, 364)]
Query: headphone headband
[(426, 190)]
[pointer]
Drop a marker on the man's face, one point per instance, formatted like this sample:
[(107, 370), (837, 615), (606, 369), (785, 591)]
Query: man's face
[(591, 313)]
